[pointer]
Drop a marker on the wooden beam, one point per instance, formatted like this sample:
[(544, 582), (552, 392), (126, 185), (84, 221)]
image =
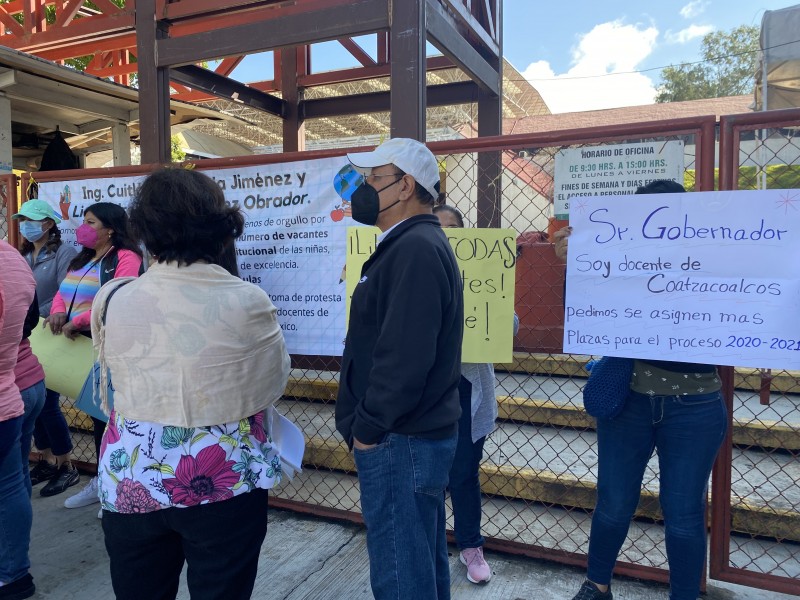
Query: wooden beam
[(356, 18), (446, 37)]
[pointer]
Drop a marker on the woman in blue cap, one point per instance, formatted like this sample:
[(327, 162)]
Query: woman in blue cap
[(49, 259)]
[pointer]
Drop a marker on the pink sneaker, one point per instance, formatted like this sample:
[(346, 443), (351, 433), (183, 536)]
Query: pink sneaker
[(478, 570)]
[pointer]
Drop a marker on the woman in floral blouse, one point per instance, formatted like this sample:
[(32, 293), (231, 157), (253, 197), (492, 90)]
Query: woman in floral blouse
[(197, 359)]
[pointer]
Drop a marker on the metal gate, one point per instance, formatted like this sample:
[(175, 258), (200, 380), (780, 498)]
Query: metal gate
[(755, 537), (538, 476)]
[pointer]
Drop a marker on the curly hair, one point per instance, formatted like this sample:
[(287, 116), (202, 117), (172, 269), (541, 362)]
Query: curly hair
[(181, 215)]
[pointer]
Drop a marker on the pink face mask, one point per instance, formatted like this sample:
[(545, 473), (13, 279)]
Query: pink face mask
[(86, 236)]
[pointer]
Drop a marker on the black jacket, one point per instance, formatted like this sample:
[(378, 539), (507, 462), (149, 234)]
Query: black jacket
[(402, 357)]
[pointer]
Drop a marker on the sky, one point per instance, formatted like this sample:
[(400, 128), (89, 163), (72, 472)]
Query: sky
[(588, 55), (583, 54)]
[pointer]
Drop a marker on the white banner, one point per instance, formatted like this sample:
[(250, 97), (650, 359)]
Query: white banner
[(293, 244), (710, 277), (613, 170)]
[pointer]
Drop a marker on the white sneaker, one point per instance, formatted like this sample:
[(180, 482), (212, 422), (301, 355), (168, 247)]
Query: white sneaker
[(87, 496)]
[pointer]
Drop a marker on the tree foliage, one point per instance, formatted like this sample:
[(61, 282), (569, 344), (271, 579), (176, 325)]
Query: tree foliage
[(176, 152), (728, 67)]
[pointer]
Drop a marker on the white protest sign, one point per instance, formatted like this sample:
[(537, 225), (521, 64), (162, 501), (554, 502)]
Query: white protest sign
[(293, 244), (613, 170), (710, 277)]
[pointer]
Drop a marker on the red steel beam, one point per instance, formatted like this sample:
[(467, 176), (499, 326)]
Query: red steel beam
[(358, 52), (10, 24), (116, 41), (355, 17), (328, 78), (201, 8), (227, 65), (82, 37), (67, 13)]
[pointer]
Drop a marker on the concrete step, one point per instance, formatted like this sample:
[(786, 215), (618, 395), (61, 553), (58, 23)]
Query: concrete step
[(571, 365), (556, 402), (544, 451), (546, 527), (558, 466)]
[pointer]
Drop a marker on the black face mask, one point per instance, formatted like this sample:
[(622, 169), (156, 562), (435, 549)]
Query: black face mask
[(365, 203)]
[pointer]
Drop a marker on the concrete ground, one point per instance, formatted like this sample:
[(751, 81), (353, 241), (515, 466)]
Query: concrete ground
[(308, 559)]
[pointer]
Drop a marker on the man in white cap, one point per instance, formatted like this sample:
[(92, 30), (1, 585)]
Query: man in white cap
[(398, 404)]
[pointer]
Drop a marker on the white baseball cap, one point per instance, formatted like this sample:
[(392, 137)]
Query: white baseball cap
[(410, 156)]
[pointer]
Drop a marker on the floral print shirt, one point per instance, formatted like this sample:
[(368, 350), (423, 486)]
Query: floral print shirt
[(145, 467)]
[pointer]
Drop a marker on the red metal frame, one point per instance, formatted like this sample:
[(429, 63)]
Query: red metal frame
[(730, 129), (109, 35), (12, 205)]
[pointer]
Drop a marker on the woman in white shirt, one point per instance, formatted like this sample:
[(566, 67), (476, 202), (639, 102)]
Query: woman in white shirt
[(197, 359)]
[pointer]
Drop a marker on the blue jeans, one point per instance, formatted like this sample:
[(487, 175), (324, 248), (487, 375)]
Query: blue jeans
[(33, 398), (51, 431), (686, 432), (15, 488), (465, 486), (402, 482)]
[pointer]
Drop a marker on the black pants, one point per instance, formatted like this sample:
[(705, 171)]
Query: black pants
[(99, 430), (220, 543)]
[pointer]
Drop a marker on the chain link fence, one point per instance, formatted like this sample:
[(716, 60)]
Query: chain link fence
[(8, 199), (539, 470), (761, 541)]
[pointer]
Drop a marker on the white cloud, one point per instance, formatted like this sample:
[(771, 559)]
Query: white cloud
[(688, 34), (589, 85), (694, 8)]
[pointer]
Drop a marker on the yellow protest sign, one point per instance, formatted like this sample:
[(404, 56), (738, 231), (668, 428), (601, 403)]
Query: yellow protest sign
[(66, 362), (486, 259)]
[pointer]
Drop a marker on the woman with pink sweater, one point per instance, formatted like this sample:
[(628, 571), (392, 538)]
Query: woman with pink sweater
[(21, 399), (108, 252)]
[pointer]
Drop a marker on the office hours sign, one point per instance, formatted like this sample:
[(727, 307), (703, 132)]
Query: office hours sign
[(613, 170)]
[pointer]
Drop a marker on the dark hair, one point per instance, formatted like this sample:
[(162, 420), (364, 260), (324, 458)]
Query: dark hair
[(114, 217), (450, 209), (51, 245), (423, 195), (227, 259), (661, 186), (181, 215)]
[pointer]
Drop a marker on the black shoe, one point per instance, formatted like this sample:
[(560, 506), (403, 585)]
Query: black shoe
[(67, 476), (18, 590), (589, 591), (43, 471)]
